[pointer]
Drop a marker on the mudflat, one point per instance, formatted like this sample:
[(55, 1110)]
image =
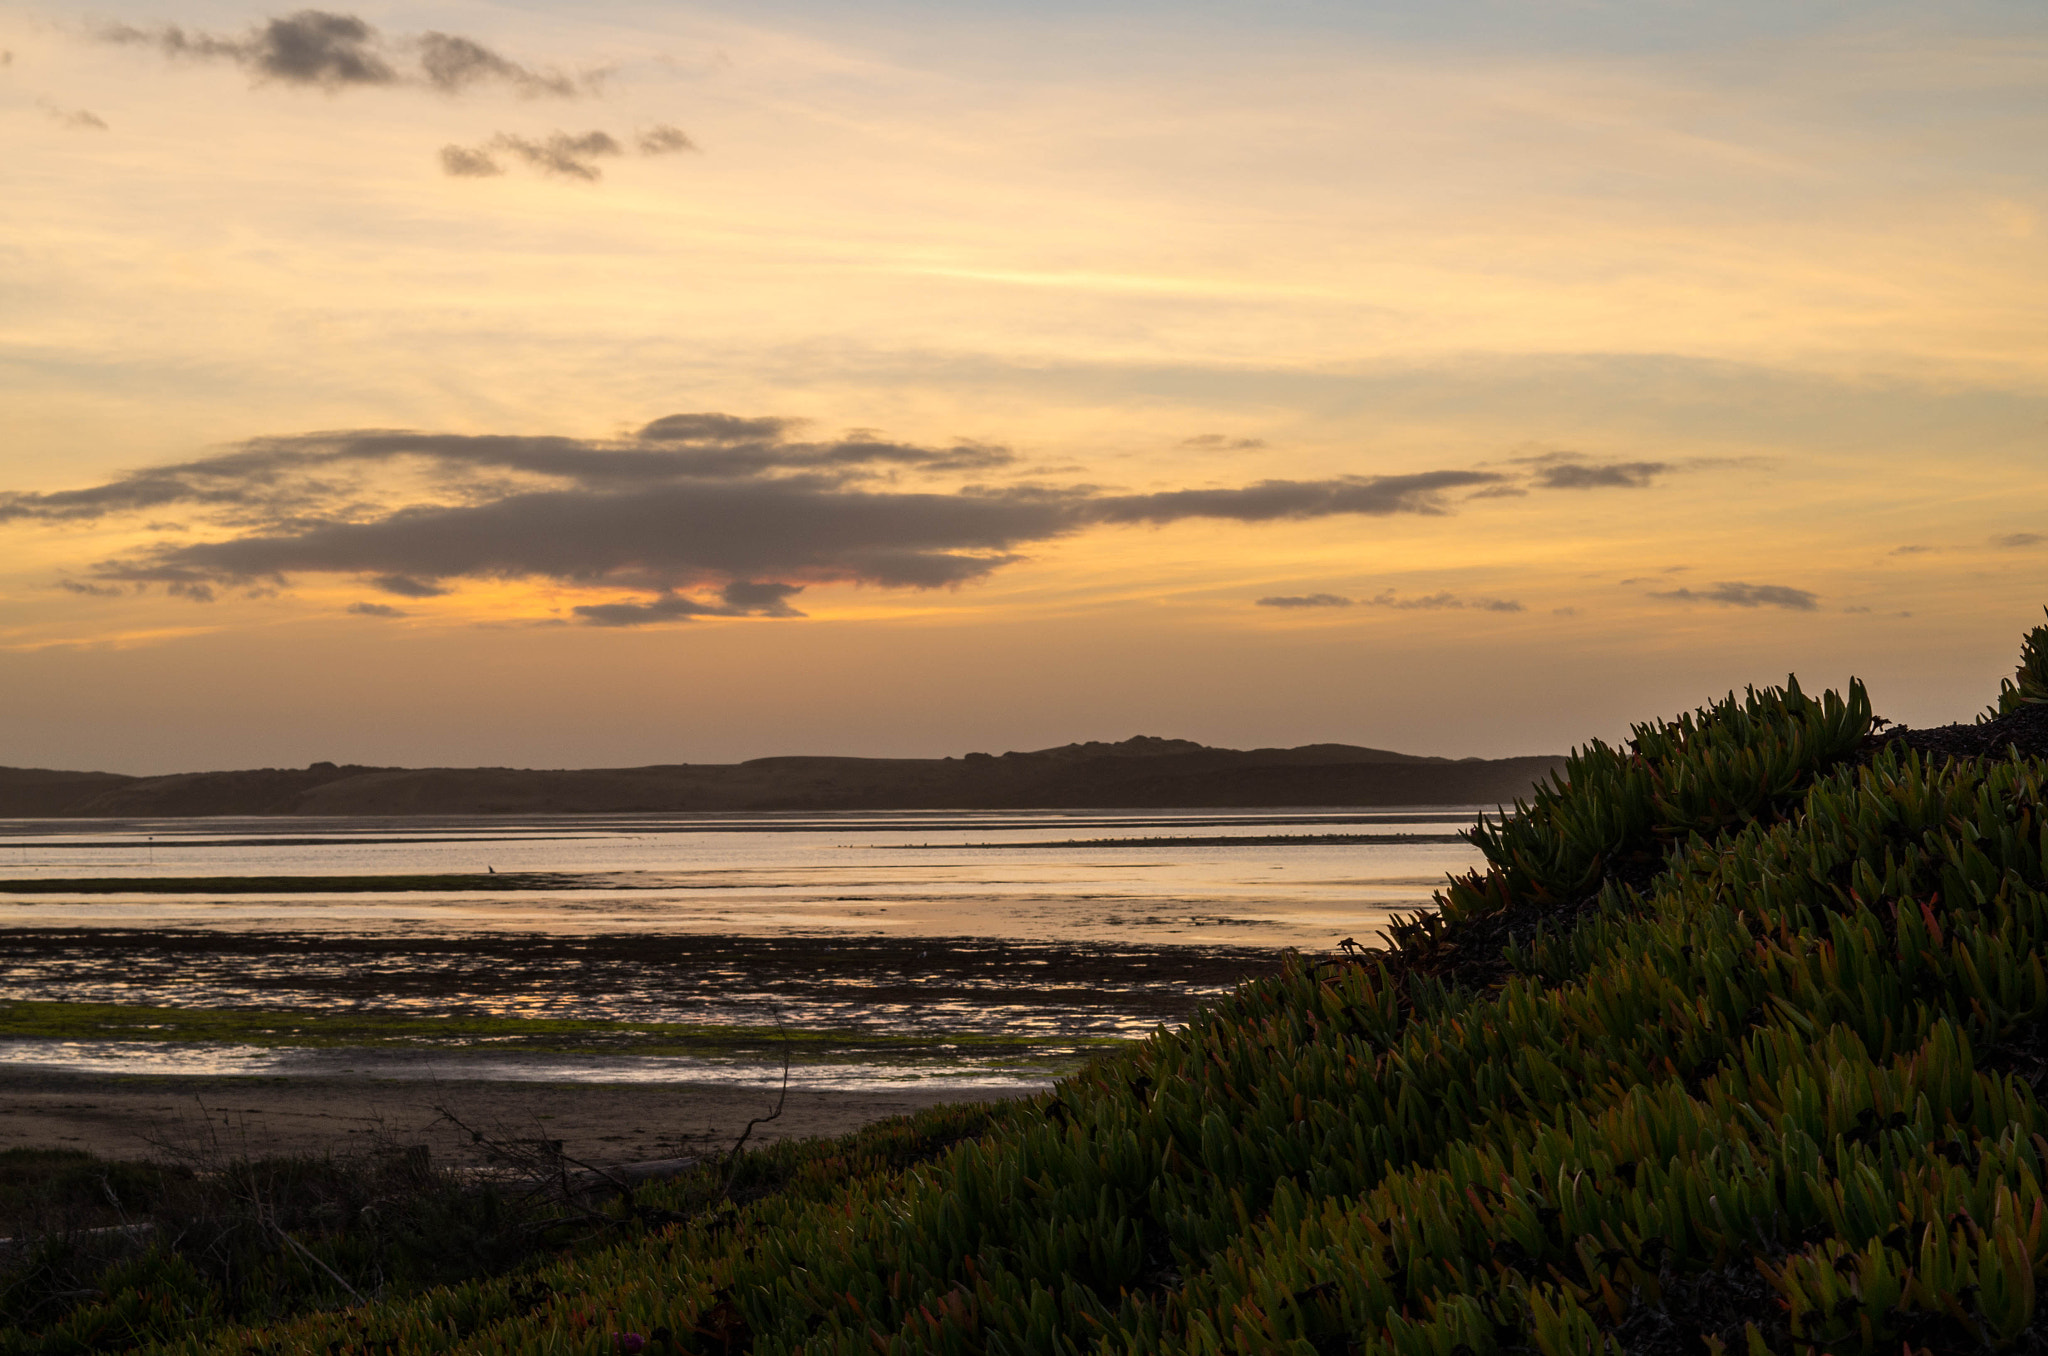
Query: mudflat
[(140, 1117)]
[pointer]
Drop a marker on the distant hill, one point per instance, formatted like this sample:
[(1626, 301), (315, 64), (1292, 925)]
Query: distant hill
[(1138, 773)]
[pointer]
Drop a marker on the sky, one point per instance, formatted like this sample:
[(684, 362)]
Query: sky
[(604, 384)]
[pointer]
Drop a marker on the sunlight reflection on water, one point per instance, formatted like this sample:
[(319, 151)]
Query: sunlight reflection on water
[(910, 923), (210, 1060)]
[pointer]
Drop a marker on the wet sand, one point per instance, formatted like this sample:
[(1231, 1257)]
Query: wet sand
[(128, 1117)]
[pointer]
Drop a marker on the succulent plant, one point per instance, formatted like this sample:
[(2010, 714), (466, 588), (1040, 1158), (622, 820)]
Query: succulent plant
[(2028, 686)]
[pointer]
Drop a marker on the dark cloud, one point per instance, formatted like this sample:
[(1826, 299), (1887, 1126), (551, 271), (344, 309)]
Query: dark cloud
[(662, 139), (1565, 470), (1306, 600), (2017, 540), (376, 610), (762, 599), (742, 598), (1223, 442), (453, 64), (1913, 550), (1270, 500), (1625, 475), (1736, 594), (700, 514), (572, 156), (145, 490), (716, 428), (405, 586), (648, 537), (91, 590), (561, 153), (667, 608), (1432, 602), (311, 47), (333, 51), (464, 162), (311, 477)]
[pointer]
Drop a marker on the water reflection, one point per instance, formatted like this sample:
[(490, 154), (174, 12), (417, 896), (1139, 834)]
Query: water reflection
[(206, 1060), (816, 921)]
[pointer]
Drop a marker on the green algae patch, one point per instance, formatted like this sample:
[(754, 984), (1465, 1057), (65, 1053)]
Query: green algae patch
[(526, 1035)]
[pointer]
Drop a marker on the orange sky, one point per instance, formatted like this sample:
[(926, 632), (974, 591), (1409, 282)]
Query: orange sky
[(1464, 380)]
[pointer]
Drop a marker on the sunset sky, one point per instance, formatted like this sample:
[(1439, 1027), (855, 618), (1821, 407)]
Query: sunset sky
[(550, 384)]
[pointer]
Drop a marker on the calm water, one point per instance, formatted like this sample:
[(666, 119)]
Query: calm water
[(924, 924)]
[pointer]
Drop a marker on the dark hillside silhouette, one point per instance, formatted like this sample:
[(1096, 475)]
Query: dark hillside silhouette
[(1138, 773)]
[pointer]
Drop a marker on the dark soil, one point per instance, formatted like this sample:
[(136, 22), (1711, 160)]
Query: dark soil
[(2024, 731)]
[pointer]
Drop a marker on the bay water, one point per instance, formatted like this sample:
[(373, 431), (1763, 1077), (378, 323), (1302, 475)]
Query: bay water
[(939, 944)]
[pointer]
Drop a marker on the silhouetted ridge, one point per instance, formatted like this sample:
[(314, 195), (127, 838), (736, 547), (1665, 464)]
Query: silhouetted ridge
[(1138, 773)]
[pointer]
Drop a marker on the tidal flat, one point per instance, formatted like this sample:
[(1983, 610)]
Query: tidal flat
[(282, 977), (77, 1024), (291, 885)]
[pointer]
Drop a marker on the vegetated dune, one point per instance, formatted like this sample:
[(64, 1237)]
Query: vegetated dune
[(1138, 773), (1737, 1043)]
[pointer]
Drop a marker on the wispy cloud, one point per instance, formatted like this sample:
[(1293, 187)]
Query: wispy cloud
[(326, 50), (663, 139), (465, 162), (453, 64), (1574, 471), (1428, 602), (2014, 541), (569, 155), (405, 586), (741, 598), (376, 610), (1435, 602), (572, 156), (1736, 594), (82, 119)]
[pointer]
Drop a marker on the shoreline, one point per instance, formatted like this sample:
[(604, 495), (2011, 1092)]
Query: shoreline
[(153, 1116)]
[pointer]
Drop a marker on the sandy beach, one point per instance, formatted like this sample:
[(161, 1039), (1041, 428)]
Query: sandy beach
[(131, 1117)]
